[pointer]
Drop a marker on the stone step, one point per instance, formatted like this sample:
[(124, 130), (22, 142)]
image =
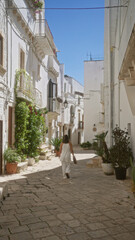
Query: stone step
[(22, 166), (94, 162)]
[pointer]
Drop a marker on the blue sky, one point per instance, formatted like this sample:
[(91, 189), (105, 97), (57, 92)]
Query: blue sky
[(77, 33)]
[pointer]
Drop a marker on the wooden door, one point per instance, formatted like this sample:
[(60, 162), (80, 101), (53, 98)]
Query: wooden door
[(1, 140), (79, 136)]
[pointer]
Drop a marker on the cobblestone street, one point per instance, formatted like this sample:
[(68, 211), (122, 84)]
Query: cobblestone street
[(88, 206)]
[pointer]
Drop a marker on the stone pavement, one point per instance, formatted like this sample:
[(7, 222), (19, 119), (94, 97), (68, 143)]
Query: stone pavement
[(90, 206)]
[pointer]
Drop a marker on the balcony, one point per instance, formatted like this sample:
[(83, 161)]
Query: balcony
[(80, 125), (25, 90), (43, 39), (53, 66), (127, 70)]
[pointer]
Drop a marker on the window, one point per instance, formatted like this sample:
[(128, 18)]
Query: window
[(1, 50), (52, 95)]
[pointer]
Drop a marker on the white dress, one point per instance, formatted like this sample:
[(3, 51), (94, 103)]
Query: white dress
[(65, 159)]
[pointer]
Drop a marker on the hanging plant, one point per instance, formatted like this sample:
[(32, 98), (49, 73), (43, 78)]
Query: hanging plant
[(38, 4)]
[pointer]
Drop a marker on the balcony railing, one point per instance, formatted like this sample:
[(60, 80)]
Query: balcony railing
[(26, 90), (37, 97), (43, 38), (25, 85), (80, 125)]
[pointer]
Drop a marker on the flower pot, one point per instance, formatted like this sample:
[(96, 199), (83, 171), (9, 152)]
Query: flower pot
[(107, 168), (120, 173), (11, 168), (57, 153), (31, 161)]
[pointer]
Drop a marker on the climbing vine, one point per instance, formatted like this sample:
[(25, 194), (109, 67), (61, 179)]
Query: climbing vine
[(30, 122), (21, 121)]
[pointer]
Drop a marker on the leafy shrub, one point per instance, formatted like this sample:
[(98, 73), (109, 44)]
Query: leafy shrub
[(56, 143), (120, 152), (11, 156), (86, 144), (101, 147)]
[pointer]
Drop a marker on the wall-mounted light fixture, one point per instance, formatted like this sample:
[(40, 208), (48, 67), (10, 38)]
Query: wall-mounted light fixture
[(94, 127), (65, 103)]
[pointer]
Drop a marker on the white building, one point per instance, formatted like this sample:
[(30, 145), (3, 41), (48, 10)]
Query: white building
[(73, 109), (26, 36), (27, 45), (119, 64), (93, 99), (4, 90)]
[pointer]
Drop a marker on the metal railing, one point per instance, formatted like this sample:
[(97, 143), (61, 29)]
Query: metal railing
[(26, 87)]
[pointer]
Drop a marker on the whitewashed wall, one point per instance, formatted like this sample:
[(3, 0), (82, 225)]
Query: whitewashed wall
[(93, 109), (118, 28)]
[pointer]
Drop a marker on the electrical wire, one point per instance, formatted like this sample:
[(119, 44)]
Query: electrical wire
[(87, 8)]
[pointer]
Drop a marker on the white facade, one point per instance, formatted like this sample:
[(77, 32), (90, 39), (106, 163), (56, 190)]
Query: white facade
[(4, 90), (27, 43), (73, 114), (93, 99), (119, 64)]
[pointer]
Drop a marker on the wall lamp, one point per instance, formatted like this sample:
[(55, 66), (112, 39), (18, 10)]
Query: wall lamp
[(65, 103)]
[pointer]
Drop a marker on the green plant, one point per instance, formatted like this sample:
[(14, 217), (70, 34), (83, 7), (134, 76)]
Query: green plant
[(37, 3), (85, 144), (11, 156), (56, 143), (120, 152), (101, 148), (21, 122), (94, 145), (35, 130)]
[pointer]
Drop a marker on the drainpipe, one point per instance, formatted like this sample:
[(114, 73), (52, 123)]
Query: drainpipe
[(110, 76)]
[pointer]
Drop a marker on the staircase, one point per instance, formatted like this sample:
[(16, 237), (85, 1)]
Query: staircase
[(46, 153)]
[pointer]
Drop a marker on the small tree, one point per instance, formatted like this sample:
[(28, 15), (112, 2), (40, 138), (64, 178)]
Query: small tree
[(120, 152)]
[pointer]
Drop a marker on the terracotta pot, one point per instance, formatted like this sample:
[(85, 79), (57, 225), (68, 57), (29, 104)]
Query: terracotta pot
[(57, 153), (11, 168)]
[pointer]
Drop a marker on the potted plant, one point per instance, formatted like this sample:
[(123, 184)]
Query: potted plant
[(103, 151), (86, 145), (56, 143), (120, 152), (12, 158)]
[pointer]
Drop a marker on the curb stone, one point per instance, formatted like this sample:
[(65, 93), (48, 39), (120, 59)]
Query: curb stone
[(3, 191)]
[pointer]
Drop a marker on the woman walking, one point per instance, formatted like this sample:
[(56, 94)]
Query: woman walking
[(65, 156)]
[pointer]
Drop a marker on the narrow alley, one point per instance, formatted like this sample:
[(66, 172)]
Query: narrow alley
[(90, 205)]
